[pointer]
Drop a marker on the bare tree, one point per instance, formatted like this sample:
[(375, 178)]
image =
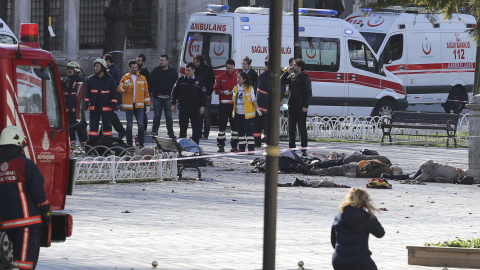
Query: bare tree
[(117, 15)]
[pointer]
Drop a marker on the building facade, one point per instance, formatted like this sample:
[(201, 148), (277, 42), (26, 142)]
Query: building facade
[(157, 26)]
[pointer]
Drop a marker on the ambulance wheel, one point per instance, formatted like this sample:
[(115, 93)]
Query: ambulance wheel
[(457, 93), (384, 107)]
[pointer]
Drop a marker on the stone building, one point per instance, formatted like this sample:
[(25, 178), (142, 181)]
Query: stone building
[(79, 26)]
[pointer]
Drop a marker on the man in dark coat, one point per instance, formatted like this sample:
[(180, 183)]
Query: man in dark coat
[(208, 76), (190, 94), (300, 91), (115, 72)]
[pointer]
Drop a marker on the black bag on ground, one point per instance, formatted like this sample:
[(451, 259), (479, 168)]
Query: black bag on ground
[(117, 145), (289, 161)]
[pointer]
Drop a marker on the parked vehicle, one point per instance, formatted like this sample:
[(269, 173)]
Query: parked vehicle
[(347, 77), (32, 98), (434, 57)]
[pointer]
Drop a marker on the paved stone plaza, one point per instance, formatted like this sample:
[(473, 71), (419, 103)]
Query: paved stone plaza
[(217, 223)]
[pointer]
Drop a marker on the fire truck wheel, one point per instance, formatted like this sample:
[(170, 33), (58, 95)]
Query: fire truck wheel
[(6, 252), (457, 93), (384, 107)]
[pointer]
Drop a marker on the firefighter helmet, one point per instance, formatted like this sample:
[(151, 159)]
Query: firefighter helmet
[(101, 62), (74, 65), (12, 135)]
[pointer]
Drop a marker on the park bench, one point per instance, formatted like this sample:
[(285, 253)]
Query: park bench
[(171, 145), (421, 120)]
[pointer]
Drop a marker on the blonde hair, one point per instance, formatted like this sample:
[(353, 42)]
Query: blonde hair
[(358, 197)]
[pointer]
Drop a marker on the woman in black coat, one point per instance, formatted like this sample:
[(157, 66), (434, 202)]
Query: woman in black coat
[(351, 229)]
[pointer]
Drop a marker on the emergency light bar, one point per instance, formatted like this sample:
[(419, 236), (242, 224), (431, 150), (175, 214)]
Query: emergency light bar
[(217, 8), (317, 12), (29, 34)]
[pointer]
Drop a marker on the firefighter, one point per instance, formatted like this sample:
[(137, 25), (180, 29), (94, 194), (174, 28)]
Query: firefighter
[(70, 86), (24, 204), (100, 98)]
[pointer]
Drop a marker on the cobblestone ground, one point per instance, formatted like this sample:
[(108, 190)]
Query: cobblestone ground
[(217, 223)]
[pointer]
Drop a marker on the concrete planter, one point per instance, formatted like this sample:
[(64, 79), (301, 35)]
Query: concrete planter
[(444, 256)]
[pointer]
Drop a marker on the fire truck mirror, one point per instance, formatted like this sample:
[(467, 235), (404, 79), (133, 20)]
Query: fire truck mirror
[(41, 73)]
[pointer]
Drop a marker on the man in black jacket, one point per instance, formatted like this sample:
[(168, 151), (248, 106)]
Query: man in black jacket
[(300, 94), (208, 76), (115, 72), (191, 94), (161, 83)]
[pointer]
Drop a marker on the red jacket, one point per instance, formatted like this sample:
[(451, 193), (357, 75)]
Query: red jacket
[(224, 82)]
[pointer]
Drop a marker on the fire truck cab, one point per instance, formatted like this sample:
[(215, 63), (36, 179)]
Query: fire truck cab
[(32, 98)]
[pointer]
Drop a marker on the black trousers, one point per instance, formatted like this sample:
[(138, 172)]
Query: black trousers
[(192, 115), (117, 125), (297, 117)]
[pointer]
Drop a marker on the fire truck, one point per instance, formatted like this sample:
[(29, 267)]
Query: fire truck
[(31, 97)]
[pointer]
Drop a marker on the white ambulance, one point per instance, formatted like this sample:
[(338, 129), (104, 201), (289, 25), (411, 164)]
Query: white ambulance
[(346, 75), (434, 57)]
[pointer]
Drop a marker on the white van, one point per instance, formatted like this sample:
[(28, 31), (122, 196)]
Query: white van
[(346, 76), (434, 57)]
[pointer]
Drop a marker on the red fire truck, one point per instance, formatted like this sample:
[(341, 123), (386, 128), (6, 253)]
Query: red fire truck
[(31, 97)]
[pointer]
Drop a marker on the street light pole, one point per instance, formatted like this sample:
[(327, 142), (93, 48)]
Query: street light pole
[(296, 38), (272, 150)]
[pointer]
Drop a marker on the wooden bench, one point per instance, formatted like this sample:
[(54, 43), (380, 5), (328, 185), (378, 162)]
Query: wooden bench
[(421, 120), (171, 145)]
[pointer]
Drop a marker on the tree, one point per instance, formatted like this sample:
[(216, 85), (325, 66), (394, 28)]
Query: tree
[(447, 7), (117, 15)]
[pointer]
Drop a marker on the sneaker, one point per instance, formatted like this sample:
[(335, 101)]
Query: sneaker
[(204, 138), (234, 149), (221, 149)]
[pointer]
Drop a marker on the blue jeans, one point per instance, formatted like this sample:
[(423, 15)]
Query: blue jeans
[(206, 120), (164, 104), (141, 132)]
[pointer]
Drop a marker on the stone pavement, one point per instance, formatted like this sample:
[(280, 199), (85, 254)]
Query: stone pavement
[(217, 223)]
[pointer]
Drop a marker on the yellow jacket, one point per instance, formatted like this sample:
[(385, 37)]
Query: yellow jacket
[(141, 94), (248, 106)]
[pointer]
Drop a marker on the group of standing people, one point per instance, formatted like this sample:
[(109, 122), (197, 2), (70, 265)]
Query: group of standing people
[(242, 96)]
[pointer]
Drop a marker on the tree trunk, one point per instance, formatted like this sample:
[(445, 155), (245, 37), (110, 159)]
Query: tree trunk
[(117, 16)]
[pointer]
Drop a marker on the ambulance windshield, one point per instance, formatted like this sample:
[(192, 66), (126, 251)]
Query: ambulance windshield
[(375, 40), (215, 48)]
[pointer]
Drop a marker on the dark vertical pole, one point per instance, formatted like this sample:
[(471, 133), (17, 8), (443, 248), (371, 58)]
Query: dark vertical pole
[(272, 151), (46, 23), (296, 42)]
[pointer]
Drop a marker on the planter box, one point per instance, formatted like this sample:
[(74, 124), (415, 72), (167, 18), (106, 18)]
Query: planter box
[(444, 256)]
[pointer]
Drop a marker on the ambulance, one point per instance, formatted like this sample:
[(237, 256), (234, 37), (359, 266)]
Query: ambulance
[(434, 57), (31, 97), (347, 77)]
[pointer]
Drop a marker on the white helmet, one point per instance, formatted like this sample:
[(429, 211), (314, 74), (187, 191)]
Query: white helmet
[(101, 62), (12, 135), (74, 65)]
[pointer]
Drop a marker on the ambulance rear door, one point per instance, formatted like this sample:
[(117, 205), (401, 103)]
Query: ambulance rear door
[(212, 37)]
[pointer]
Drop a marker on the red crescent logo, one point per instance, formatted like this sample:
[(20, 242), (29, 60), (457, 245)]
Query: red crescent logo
[(215, 50), (375, 22), (190, 47), (308, 55), (429, 45)]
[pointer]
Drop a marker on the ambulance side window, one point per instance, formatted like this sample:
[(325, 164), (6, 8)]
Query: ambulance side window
[(393, 49), (360, 56), (29, 90), (320, 54), (52, 92)]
